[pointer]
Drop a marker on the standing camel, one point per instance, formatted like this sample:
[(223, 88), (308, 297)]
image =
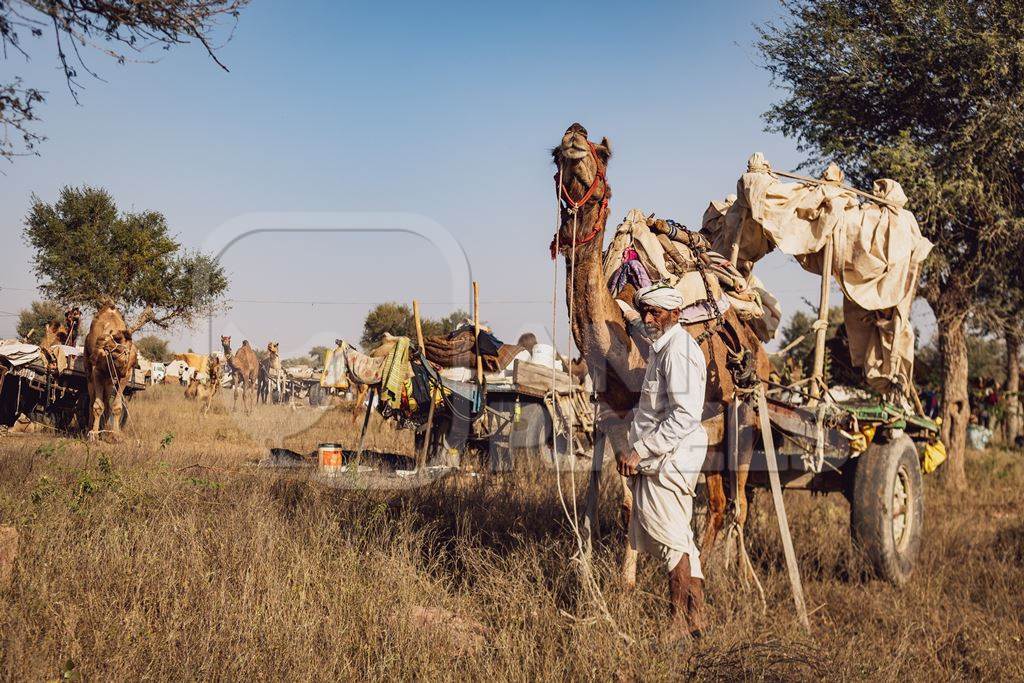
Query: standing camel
[(616, 362), (206, 392), (110, 357), (244, 367), (271, 374)]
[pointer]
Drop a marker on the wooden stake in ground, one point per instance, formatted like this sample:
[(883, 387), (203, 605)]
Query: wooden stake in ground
[(780, 511)]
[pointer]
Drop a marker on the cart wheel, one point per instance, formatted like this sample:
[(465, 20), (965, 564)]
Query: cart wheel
[(887, 507), (316, 395)]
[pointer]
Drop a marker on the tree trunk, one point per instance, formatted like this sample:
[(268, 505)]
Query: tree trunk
[(956, 409), (1012, 400)]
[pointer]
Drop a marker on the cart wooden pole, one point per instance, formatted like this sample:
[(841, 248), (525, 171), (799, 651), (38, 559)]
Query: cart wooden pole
[(780, 511), (476, 333), (421, 457), (419, 326), (819, 335)]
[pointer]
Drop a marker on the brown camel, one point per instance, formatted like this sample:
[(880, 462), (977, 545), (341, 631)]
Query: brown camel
[(616, 362), (110, 356), (206, 392), (244, 367)]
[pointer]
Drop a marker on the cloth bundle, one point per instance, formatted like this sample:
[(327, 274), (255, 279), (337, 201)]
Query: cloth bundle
[(458, 350), (877, 254), (636, 249), (335, 372)]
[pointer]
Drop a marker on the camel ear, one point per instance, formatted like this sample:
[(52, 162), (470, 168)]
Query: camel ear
[(604, 149)]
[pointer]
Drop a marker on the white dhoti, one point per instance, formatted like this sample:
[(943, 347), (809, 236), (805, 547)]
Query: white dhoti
[(672, 443)]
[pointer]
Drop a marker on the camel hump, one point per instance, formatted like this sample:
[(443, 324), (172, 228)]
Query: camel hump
[(245, 342)]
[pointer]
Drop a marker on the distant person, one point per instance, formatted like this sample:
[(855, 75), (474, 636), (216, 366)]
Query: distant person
[(527, 341)]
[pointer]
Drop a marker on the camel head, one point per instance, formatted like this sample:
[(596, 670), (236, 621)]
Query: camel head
[(272, 348), (581, 183), (226, 343), (120, 353), (213, 366)]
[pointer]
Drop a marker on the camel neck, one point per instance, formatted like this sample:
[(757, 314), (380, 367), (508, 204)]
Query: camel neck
[(598, 326)]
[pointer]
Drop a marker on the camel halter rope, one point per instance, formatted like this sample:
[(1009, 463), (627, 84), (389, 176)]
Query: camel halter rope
[(582, 557)]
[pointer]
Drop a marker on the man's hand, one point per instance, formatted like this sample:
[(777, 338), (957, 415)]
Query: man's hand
[(628, 464)]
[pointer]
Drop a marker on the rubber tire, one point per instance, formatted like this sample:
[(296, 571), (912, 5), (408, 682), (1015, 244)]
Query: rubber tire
[(871, 514), (316, 395)]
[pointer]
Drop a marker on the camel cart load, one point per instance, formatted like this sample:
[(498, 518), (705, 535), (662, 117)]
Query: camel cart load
[(469, 393), (858, 429), (48, 385)]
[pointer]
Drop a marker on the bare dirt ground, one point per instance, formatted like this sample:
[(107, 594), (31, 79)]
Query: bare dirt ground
[(168, 556)]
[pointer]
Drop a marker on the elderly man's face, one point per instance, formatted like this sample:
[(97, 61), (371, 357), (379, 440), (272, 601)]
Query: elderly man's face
[(658, 321)]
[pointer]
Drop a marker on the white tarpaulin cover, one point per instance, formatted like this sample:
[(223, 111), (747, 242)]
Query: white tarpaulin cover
[(17, 353), (877, 254)]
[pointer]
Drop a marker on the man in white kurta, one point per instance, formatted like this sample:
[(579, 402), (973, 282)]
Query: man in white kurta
[(668, 448)]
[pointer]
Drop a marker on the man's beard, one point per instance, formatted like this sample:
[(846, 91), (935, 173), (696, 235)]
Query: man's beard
[(654, 332)]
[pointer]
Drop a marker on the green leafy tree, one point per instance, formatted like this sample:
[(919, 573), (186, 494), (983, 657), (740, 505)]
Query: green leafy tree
[(317, 354), (86, 251), (121, 29), (931, 93), (397, 319), (154, 348), (800, 324), (32, 320)]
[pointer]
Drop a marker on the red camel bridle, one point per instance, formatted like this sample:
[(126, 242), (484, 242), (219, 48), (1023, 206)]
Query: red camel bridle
[(573, 205)]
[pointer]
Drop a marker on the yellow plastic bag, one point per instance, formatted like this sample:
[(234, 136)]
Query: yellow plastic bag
[(934, 454), (862, 439)]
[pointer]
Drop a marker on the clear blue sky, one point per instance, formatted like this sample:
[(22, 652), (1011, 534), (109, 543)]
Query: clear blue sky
[(442, 110)]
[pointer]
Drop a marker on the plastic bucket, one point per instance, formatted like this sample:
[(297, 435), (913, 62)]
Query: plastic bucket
[(330, 458)]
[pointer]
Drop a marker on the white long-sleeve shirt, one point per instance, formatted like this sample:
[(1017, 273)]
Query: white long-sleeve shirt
[(672, 444), (666, 425)]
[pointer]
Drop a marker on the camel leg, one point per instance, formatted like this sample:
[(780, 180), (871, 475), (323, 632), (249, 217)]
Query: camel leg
[(629, 556), (360, 397), (617, 439), (116, 401), (747, 426), (96, 401), (715, 482)]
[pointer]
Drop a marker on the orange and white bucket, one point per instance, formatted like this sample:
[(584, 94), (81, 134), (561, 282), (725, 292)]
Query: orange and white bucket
[(330, 457)]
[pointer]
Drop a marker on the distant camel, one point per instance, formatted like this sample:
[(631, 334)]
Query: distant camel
[(244, 367), (271, 375), (110, 357), (206, 392)]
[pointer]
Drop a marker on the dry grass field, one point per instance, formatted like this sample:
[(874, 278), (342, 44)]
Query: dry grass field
[(169, 556)]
